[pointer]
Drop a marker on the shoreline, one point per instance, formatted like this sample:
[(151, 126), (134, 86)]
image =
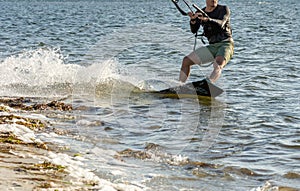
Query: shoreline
[(31, 164)]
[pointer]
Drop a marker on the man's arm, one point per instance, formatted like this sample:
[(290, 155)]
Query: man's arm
[(224, 20), (194, 22)]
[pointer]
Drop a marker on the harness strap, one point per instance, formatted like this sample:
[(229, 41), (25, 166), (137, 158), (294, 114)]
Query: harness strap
[(202, 40)]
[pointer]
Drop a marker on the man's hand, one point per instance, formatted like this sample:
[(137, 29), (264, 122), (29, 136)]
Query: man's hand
[(193, 16), (200, 16)]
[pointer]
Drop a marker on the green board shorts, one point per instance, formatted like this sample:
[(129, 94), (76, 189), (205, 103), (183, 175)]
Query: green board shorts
[(206, 54)]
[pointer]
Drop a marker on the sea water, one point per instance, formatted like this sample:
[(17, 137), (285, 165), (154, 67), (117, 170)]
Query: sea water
[(97, 55)]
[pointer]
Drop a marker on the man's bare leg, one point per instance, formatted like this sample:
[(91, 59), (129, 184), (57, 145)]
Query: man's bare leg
[(218, 65), (185, 69)]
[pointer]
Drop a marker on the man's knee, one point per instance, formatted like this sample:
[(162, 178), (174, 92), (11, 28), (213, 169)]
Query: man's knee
[(187, 61), (219, 63)]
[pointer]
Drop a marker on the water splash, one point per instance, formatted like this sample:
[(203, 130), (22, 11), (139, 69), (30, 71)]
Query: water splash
[(44, 72), (39, 67), (36, 72)]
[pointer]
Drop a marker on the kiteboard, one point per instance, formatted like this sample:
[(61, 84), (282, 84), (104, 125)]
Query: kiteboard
[(198, 88)]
